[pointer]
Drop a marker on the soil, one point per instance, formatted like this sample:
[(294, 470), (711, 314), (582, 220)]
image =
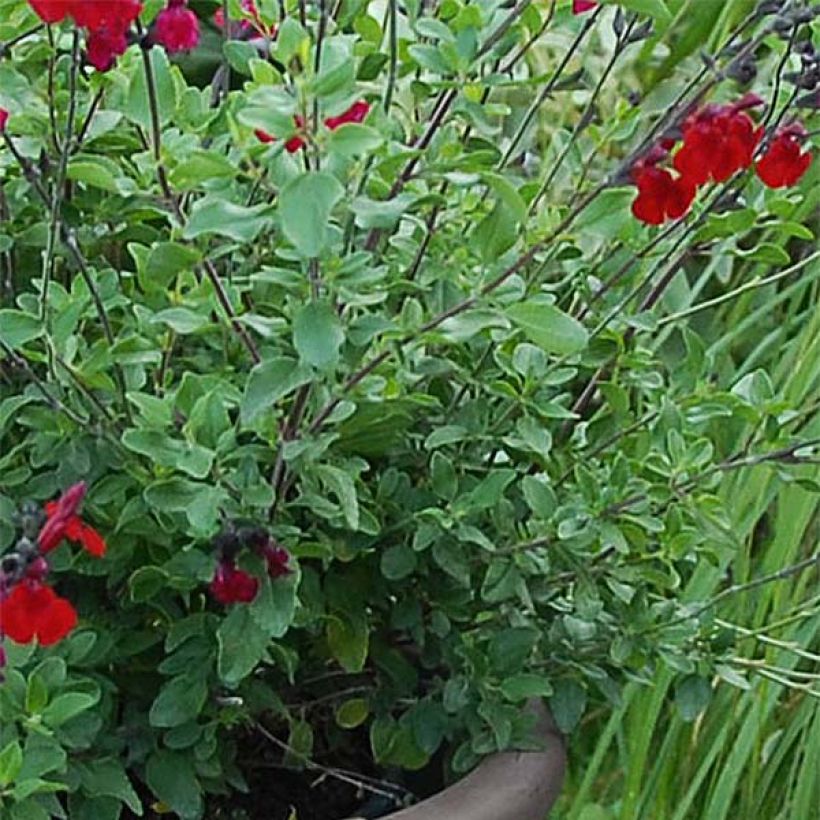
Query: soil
[(279, 793)]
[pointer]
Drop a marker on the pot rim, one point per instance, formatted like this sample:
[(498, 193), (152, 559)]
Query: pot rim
[(505, 785)]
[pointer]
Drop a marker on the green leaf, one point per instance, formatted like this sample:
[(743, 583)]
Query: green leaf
[(348, 639), (291, 39), (335, 80), (11, 761), (214, 216), (317, 334), (179, 700), (692, 695), (353, 139), (374, 213), (274, 607), (270, 381), (429, 723), (41, 756), (165, 261), (242, 645), (146, 582), (17, 328), (766, 253), (305, 204), (342, 486), (199, 167), (508, 194), (107, 778), (239, 55), (510, 648), (36, 694), (181, 320), (171, 777), (495, 234), (654, 8), (398, 562), (568, 703), (67, 706), (137, 107), (550, 328), (165, 451), (95, 173), (352, 713), (525, 686)]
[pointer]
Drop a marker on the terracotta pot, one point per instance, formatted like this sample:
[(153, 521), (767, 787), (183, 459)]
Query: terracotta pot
[(505, 786)]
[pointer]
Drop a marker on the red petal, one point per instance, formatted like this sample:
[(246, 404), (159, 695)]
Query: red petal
[(15, 615), (52, 533), (74, 528), (294, 144), (24, 609), (56, 622), (92, 541)]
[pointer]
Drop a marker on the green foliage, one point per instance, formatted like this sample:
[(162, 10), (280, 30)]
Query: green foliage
[(518, 444)]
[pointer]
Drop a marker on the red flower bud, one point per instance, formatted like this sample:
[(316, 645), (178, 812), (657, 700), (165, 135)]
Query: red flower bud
[(784, 163), (232, 586), (176, 27)]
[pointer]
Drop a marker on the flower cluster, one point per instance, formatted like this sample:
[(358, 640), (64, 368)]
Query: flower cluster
[(109, 26), (29, 608), (232, 585), (4, 118), (717, 142), (355, 114)]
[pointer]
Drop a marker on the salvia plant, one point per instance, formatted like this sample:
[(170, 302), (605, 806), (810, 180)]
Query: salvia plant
[(365, 350)]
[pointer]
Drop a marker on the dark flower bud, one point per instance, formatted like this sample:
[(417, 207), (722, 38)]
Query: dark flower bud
[(743, 71), (810, 79), (642, 32), (809, 101), (783, 25), (254, 537), (619, 23), (769, 7), (227, 544), (10, 564)]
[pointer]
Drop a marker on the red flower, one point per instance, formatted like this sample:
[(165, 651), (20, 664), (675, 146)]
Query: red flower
[(4, 118), (783, 163), (63, 522), (293, 144), (34, 610), (356, 113), (231, 585), (661, 196), (718, 141), (176, 27), (277, 560), (52, 11), (103, 46), (116, 16), (580, 6)]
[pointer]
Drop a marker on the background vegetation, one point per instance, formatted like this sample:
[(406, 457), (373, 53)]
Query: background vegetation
[(517, 443)]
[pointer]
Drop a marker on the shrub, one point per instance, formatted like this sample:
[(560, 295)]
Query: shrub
[(380, 343)]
